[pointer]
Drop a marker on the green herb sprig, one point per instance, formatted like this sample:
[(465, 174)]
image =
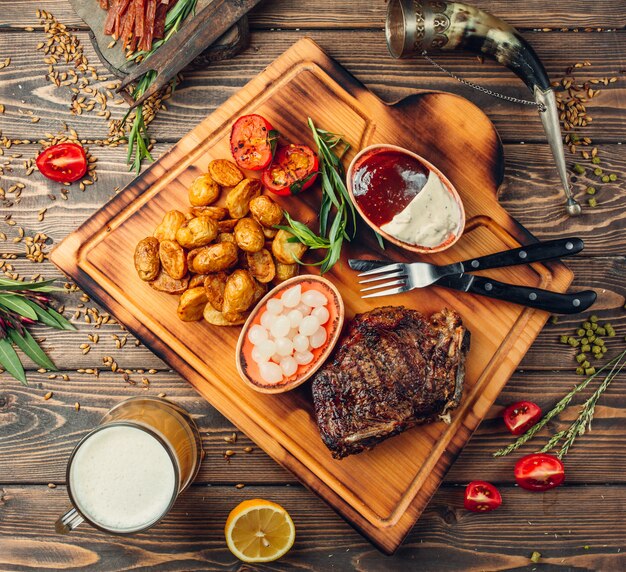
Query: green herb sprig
[(138, 140), (22, 304), (337, 213), (581, 423)]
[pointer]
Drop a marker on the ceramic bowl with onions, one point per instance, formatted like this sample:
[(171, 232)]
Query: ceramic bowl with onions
[(406, 199), (290, 334)]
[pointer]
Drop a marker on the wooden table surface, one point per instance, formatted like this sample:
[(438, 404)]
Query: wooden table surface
[(580, 525)]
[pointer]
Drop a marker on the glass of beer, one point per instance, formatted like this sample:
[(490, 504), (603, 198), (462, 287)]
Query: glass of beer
[(125, 475)]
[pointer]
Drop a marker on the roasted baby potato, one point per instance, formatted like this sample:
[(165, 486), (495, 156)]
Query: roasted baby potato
[(165, 283), (216, 318), (225, 173), (285, 271), (197, 279), (259, 291), (203, 191), (169, 226), (238, 199), (191, 304), (227, 225), (173, 258), (266, 211), (249, 235), (217, 213), (238, 294), (197, 232), (214, 286), (147, 261), (285, 251), (269, 232), (261, 265), (214, 258), (226, 237)]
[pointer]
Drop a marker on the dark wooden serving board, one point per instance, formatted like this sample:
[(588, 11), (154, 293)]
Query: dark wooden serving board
[(381, 492)]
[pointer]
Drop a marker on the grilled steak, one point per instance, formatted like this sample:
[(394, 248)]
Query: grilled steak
[(394, 368)]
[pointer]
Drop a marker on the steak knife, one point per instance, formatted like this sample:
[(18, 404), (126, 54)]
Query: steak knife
[(425, 273)]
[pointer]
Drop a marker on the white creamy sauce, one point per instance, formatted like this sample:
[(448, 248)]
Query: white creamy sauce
[(122, 478), (429, 219)]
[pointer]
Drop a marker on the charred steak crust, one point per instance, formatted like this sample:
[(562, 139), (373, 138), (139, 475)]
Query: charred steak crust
[(394, 368)]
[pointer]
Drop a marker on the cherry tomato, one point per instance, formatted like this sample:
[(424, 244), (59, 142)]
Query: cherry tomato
[(481, 496), (539, 472), (64, 163), (252, 142), (521, 416), (293, 170)]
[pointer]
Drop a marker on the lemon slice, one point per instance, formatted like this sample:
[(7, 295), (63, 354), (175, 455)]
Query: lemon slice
[(258, 530)]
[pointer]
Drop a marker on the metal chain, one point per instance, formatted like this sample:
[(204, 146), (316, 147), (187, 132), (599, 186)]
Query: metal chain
[(477, 87)]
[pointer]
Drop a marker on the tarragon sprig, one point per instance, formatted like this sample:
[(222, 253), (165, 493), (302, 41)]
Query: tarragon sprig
[(582, 422), (22, 304)]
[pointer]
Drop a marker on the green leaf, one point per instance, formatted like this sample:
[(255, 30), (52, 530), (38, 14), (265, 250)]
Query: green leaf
[(32, 349), (11, 362), (63, 322), (17, 304), (8, 284)]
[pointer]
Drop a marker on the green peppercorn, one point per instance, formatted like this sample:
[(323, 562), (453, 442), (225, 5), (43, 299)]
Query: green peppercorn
[(580, 371), (554, 319), (596, 350), (590, 370), (594, 327), (591, 339), (601, 332), (585, 348), (585, 364), (580, 358), (593, 318), (598, 342), (595, 160), (597, 171), (578, 169), (591, 190), (564, 339), (573, 342), (589, 333), (597, 356), (610, 333), (580, 332), (613, 177), (592, 202), (584, 341), (587, 325), (605, 179), (608, 325)]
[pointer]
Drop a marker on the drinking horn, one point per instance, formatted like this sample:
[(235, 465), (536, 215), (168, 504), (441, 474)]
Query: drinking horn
[(417, 26)]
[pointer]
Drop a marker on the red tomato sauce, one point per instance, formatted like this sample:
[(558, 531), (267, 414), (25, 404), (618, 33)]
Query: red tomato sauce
[(385, 182)]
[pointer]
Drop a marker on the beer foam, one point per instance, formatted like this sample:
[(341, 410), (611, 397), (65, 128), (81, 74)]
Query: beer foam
[(122, 478)]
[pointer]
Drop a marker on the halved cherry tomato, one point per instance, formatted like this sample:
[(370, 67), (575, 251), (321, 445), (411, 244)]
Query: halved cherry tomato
[(539, 472), (293, 170), (64, 163), (252, 142), (521, 416), (481, 496)]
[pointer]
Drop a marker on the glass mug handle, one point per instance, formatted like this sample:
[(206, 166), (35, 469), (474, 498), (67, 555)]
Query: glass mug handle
[(68, 522)]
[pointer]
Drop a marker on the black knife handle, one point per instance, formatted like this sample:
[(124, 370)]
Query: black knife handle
[(532, 253), (552, 302)]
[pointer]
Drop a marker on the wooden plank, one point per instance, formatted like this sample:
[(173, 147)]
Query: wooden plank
[(367, 14), (99, 256), (31, 427), (568, 527), (530, 193), (25, 87), (606, 275)]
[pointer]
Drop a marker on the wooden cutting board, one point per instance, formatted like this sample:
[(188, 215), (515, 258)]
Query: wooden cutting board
[(381, 492)]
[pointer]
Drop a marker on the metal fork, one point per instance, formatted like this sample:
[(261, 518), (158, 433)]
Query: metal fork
[(420, 274)]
